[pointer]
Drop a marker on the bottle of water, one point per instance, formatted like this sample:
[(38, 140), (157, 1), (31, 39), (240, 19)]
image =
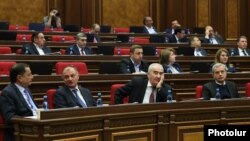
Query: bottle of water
[(217, 95), (45, 103), (166, 40), (156, 52), (99, 100), (169, 96), (128, 69), (231, 52), (63, 38), (17, 27), (24, 38), (119, 51), (71, 51), (26, 50)]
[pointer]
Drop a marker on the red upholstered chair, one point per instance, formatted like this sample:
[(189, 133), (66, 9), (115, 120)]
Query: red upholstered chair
[(198, 91), (50, 95), (141, 40), (121, 30), (57, 38), (121, 51), (47, 29), (81, 67), (5, 67), (18, 27), (19, 51), (158, 51), (113, 88), (248, 89), (5, 50), (85, 30), (23, 37), (62, 51)]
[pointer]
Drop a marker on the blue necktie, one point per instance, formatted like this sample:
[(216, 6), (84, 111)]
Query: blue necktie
[(28, 99), (79, 99)]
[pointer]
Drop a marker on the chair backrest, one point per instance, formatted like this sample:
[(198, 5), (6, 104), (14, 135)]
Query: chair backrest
[(23, 37), (50, 95), (18, 27), (121, 30), (58, 38), (198, 91), (113, 89), (121, 51), (80, 66), (5, 50), (85, 30), (141, 40), (47, 29), (62, 51), (19, 51), (5, 67), (36, 26), (248, 89)]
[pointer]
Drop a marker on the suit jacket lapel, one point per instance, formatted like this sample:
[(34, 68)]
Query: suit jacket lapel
[(70, 95), (143, 90), (83, 95), (76, 50), (20, 96), (33, 47)]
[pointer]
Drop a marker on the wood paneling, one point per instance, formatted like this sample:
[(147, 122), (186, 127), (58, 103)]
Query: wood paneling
[(202, 13), (123, 13), (232, 18), (22, 12)]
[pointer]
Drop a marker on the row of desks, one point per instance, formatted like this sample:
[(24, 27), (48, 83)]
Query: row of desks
[(183, 84)]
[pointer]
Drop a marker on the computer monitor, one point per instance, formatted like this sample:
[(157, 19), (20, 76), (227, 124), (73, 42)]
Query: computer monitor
[(185, 51), (41, 68), (122, 38), (200, 67), (136, 29), (156, 38), (105, 50), (8, 35), (109, 68)]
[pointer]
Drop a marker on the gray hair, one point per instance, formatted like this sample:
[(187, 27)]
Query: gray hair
[(153, 65), (216, 65)]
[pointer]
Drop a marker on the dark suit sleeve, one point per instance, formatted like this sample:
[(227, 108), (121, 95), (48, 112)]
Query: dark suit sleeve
[(125, 67), (234, 89), (163, 92), (88, 97), (59, 99), (206, 92), (7, 106), (123, 92)]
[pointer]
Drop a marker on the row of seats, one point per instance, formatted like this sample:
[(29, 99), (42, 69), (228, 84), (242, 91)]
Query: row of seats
[(81, 67)]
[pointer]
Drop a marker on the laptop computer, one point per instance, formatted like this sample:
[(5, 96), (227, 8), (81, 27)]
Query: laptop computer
[(200, 67), (109, 68), (8, 35), (41, 68), (105, 29), (122, 38), (105, 50), (199, 30), (185, 51), (157, 38), (136, 29)]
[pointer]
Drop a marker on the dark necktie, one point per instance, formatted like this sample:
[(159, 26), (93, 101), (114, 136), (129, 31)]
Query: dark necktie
[(244, 52), (79, 99), (152, 96)]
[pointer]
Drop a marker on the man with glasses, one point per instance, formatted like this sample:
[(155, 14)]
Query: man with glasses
[(80, 48)]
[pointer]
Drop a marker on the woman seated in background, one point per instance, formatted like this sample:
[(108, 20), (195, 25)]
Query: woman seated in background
[(167, 60), (222, 56)]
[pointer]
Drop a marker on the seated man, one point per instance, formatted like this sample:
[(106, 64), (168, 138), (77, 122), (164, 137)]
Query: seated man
[(80, 48), (196, 44), (16, 99), (71, 94), (134, 64), (212, 37), (94, 33), (148, 26), (241, 50), (179, 36), (141, 90), (37, 45), (174, 24), (225, 89)]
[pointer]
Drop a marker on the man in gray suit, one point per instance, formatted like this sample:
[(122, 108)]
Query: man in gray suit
[(225, 89), (71, 94)]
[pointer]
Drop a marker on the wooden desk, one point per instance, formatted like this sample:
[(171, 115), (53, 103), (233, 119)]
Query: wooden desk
[(183, 84), (182, 121)]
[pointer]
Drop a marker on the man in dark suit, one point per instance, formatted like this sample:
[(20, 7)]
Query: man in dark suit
[(80, 48), (196, 44), (71, 94), (142, 90), (148, 25), (134, 64), (212, 37), (179, 36), (241, 50), (220, 87), (16, 99), (93, 35), (174, 24), (37, 46)]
